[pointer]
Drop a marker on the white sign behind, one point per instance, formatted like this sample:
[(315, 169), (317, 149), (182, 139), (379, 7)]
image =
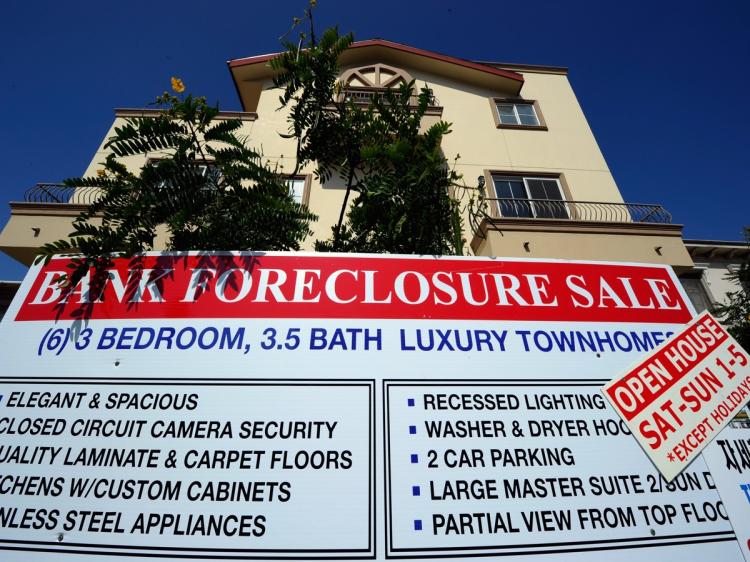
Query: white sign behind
[(728, 457)]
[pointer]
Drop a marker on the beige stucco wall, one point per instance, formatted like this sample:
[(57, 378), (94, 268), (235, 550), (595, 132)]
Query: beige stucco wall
[(97, 160), (568, 146), (136, 162), (31, 226), (597, 244), (264, 135), (271, 124)]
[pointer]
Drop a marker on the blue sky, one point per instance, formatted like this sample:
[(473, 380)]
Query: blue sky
[(664, 85)]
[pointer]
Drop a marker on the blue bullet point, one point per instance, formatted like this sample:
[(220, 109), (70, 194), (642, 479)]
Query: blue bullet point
[(414, 459), (417, 524), (415, 491), (413, 429), (410, 402)]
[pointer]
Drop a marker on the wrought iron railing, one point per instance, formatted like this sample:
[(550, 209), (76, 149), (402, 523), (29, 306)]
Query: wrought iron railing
[(61, 193), (365, 95), (590, 211)]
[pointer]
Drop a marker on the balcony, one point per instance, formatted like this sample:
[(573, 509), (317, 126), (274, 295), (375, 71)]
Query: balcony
[(587, 211), (45, 215), (364, 96), (536, 228), (58, 193), (584, 230)]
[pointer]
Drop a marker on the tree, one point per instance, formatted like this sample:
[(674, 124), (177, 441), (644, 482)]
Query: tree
[(735, 312), (403, 203), (210, 190), (400, 175)]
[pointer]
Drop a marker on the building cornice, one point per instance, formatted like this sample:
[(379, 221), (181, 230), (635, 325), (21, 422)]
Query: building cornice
[(535, 68), (717, 249), (150, 112), (576, 227), (47, 209)]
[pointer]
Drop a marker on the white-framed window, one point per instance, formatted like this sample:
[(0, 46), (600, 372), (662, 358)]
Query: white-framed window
[(206, 169), (694, 283), (296, 189), (532, 197), (517, 114), (212, 172)]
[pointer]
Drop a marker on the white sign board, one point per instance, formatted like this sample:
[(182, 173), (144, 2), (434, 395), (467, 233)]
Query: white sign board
[(679, 398), (192, 466), (728, 457), (309, 406)]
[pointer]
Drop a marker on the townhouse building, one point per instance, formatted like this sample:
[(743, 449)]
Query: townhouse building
[(520, 132)]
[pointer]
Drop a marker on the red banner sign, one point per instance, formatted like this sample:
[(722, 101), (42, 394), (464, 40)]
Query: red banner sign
[(350, 286)]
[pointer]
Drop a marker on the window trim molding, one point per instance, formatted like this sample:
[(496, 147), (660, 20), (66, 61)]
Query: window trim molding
[(306, 188), (518, 101), (198, 162), (492, 194), (699, 273)]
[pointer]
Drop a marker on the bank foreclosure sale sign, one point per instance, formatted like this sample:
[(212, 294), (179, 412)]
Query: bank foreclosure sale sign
[(338, 407), (680, 398)]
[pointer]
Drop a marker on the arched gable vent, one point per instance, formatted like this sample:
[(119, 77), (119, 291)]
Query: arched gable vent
[(360, 84), (375, 76)]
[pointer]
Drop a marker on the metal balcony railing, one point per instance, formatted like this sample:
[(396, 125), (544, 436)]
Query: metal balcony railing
[(60, 193), (589, 211), (365, 95)]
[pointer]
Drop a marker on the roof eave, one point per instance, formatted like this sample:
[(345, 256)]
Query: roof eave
[(510, 75)]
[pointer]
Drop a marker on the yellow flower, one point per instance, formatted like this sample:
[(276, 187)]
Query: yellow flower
[(177, 85), (101, 173)]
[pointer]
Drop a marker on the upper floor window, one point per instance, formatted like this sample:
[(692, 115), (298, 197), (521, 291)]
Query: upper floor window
[(299, 188), (205, 168), (210, 171), (532, 197), (518, 114)]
